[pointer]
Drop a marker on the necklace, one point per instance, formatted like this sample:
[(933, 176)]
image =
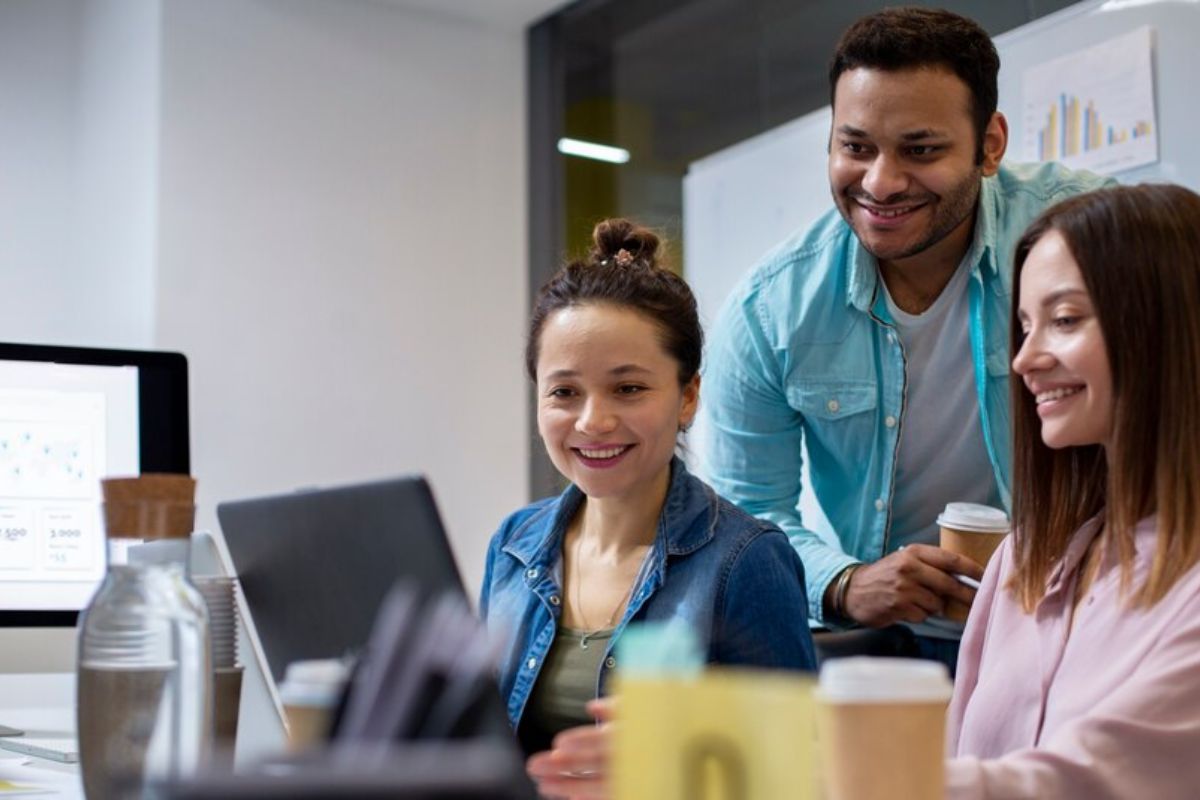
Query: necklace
[(590, 632)]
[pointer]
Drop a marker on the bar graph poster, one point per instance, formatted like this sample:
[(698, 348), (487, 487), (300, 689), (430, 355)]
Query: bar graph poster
[(1093, 109)]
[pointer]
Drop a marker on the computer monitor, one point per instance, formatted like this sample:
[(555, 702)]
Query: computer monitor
[(70, 416)]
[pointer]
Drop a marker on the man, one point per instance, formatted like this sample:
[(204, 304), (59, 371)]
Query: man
[(879, 338)]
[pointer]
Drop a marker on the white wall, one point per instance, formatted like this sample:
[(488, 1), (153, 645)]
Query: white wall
[(116, 127), (341, 250), (335, 229), (77, 132), (38, 67)]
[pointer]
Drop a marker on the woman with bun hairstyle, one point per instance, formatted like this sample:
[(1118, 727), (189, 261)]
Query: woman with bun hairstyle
[(614, 351), (1079, 674)]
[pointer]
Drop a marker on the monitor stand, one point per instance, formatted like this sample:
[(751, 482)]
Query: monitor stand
[(7, 731)]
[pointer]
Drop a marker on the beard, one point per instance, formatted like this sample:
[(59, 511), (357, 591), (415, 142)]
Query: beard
[(949, 211)]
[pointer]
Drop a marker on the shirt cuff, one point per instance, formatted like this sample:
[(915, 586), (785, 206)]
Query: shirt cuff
[(825, 570), (964, 779)]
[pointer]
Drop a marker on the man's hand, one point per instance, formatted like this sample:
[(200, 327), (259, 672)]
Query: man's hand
[(576, 765), (908, 585)]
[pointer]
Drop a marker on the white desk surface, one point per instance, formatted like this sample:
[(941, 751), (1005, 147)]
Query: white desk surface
[(44, 705), (41, 705)]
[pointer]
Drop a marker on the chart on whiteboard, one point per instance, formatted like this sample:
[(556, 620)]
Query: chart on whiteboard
[(1094, 108)]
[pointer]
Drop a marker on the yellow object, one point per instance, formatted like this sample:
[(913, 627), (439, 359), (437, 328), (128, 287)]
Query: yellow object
[(10, 789), (724, 735)]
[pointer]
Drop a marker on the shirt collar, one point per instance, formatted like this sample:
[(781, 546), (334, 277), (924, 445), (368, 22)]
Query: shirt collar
[(1145, 540), (862, 274), (686, 523)]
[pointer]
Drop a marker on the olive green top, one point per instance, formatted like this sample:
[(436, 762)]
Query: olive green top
[(570, 673)]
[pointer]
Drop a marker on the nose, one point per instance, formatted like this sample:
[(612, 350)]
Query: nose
[(1031, 357), (885, 178), (595, 417)]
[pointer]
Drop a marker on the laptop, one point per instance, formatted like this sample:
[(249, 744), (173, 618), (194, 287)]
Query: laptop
[(315, 565)]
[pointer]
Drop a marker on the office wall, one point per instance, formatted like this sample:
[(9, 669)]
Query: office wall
[(341, 250), (320, 202), (73, 252)]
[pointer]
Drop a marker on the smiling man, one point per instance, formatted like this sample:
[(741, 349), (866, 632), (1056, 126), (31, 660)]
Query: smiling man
[(879, 338)]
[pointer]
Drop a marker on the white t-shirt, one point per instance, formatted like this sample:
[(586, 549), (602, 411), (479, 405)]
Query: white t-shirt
[(942, 456)]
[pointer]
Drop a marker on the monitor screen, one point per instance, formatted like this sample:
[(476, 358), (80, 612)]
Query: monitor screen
[(69, 417)]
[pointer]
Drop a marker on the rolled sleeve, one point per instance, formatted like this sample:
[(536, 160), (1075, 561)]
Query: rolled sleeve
[(754, 439)]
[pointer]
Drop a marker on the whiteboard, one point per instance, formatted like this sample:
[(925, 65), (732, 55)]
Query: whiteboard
[(740, 202), (743, 200)]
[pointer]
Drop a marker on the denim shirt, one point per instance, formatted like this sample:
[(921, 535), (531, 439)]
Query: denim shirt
[(733, 578), (805, 352)]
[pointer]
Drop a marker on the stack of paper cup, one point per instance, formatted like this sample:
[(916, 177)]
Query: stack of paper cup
[(882, 725), (220, 595)]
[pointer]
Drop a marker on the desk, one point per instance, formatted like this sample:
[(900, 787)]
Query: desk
[(41, 705), (44, 704)]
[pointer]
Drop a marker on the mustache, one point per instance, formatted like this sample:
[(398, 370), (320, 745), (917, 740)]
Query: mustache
[(890, 200)]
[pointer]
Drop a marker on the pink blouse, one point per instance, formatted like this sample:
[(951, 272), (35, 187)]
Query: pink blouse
[(1107, 709)]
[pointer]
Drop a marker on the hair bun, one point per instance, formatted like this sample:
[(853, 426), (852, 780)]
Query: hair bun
[(612, 236)]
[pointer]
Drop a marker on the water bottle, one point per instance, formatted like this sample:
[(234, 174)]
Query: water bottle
[(145, 669)]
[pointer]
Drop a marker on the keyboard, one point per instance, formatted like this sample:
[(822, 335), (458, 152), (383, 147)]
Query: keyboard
[(65, 749)]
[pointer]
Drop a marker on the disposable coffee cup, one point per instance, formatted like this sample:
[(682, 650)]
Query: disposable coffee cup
[(882, 726), (974, 531), (310, 692)]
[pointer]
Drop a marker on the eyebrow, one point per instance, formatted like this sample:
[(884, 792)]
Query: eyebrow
[(623, 369), (911, 136), (1053, 298), (924, 133)]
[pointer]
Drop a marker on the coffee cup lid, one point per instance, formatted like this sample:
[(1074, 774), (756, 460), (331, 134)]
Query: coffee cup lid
[(314, 682), (973, 517), (864, 679)]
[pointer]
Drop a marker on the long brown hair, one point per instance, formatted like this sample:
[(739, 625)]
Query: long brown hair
[(1138, 248)]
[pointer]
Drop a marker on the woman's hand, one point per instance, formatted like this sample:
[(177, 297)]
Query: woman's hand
[(577, 764)]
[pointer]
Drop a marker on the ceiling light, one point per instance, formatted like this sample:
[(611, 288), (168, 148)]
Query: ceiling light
[(599, 152)]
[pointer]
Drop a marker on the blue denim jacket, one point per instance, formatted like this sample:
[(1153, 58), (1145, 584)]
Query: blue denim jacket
[(805, 352), (733, 578)]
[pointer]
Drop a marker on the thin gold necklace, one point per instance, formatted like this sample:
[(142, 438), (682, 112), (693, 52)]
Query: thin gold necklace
[(588, 632)]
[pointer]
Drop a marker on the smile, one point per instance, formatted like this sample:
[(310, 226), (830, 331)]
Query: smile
[(1057, 394), (607, 452), (890, 213)]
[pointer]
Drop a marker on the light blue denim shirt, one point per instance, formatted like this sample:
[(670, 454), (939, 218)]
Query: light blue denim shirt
[(804, 351), (731, 578)]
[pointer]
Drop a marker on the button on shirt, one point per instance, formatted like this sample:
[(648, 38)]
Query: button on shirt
[(732, 578), (801, 356), (1104, 706)]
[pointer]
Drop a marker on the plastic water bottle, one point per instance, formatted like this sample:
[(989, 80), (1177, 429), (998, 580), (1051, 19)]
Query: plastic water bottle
[(145, 669)]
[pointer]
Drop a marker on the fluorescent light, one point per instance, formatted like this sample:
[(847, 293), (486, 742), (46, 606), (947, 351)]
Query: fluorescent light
[(1121, 5), (600, 152)]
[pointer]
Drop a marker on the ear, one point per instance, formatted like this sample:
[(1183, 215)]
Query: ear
[(691, 402), (995, 142)]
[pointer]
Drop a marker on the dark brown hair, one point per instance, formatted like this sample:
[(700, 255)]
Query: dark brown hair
[(622, 269), (1138, 249), (912, 38)]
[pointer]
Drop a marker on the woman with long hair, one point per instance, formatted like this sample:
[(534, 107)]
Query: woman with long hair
[(1080, 668)]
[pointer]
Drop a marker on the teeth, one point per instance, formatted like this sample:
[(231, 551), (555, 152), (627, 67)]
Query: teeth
[(607, 452), (1057, 394), (889, 213)]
